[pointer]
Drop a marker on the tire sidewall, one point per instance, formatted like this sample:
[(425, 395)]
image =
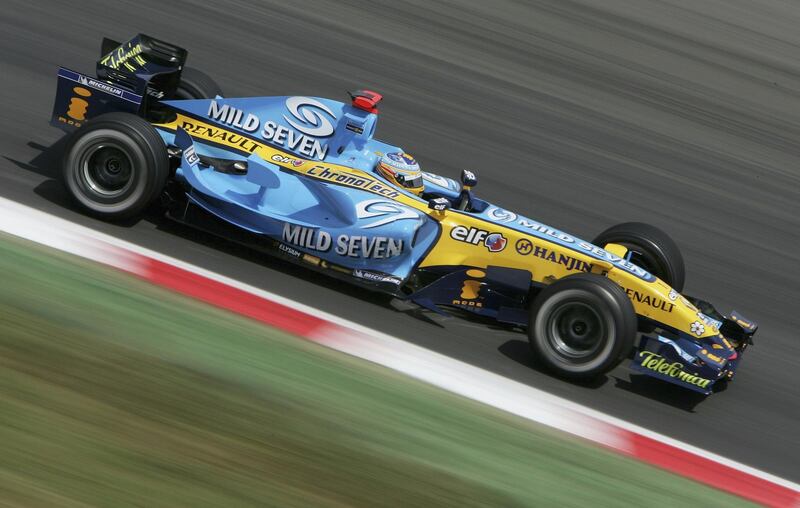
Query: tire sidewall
[(76, 160), (146, 154), (542, 335), (608, 301)]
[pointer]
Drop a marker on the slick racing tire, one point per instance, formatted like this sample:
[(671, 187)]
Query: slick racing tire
[(652, 249), (115, 166), (196, 85), (581, 326)]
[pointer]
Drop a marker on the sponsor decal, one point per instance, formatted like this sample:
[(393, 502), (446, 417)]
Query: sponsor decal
[(130, 59), (287, 160), (222, 136), (501, 215), (562, 259), (439, 204), (377, 247), (78, 105), (673, 295), (191, 156), (504, 216), (494, 242), (525, 247), (354, 128), (709, 321), (652, 301), (376, 277), (234, 117), (437, 180), (402, 158), (547, 230), (308, 120), (99, 85), (466, 303), (657, 363), (697, 328), (386, 212), (352, 180), (714, 358), (309, 238), (470, 291), (307, 116), (291, 251)]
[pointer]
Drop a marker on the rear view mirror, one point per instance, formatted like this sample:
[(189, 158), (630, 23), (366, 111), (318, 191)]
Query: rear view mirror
[(468, 179), (439, 204)]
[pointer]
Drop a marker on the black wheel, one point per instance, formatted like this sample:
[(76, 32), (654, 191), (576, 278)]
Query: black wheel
[(581, 326), (196, 85), (652, 249), (115, 165)]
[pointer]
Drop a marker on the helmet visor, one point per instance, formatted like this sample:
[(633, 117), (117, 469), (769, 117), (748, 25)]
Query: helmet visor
[(409, 181)]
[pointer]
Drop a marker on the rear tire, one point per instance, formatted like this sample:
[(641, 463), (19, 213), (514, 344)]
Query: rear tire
[(196, 85), (115, 166), (581, 326), (654, 250)]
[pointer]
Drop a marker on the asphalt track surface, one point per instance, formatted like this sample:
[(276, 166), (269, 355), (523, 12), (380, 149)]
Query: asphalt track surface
[(581, 114)]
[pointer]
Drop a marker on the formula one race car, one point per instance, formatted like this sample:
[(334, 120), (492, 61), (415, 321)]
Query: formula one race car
[(305, 179)]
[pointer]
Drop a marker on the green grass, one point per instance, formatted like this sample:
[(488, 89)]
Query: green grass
[(115, 393)]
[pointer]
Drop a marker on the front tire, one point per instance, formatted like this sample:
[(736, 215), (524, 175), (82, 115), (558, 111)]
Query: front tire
[(115, 166), (581, 326), (652, 248)]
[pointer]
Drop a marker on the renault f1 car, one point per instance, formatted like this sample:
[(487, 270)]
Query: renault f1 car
[(295, 176)]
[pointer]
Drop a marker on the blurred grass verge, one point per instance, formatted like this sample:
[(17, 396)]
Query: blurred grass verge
[(117, 393)]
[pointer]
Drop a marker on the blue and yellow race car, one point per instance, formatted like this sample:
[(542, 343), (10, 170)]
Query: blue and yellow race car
[(305, 178)]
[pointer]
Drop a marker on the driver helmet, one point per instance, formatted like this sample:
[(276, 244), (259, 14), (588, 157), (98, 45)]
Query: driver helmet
[(402, 170)]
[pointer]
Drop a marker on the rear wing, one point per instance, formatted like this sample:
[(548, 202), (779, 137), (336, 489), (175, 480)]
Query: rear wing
[(129, 76)]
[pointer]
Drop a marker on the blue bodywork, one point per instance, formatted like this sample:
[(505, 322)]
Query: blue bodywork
[(345, 226)]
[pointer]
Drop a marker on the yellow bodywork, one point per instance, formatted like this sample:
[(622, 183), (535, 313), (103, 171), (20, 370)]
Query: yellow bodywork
[(547, 261)]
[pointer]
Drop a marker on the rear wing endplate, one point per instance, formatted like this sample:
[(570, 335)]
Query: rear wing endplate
[(80, 97)]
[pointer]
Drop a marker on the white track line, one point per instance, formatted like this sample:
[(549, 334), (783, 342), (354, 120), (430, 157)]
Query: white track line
[(372, 345)]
